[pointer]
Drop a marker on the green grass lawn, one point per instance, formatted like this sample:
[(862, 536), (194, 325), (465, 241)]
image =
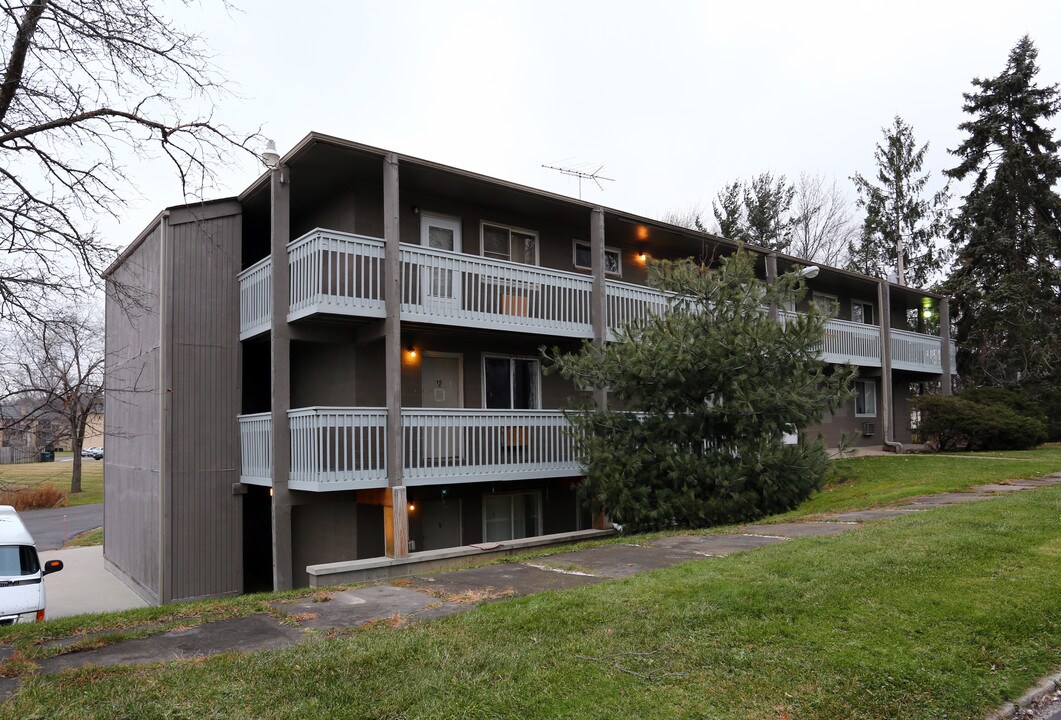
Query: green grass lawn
[(87, 539), (58, 475), (944, 613), (872, 481)]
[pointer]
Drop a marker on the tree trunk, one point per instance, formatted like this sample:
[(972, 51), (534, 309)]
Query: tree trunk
[(75, 476)]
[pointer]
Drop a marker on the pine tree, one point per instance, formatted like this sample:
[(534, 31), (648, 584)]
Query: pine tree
[(717, 383), (1007, 278), (901, 225), (756, 212), (767, 202), (728, 210)]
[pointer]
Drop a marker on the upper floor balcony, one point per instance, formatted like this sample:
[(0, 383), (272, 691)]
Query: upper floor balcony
[(344, 448), (334, 273)]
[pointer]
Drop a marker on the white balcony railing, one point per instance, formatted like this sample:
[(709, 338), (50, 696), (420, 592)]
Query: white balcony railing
[(255, 445), (255, 298), (334, 448), (336, 273), (914, 351), (470, 445), (627, 302), (340, 273), (455, 288), (851, 342), (345, 448)]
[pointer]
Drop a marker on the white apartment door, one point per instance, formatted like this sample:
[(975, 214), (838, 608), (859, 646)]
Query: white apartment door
[(442, 388), (441, 380), (441, 281)]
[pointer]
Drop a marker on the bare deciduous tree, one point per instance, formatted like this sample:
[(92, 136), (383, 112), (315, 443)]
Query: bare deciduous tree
[(87, 83), (822, 221), (689, 217), (54, 369)]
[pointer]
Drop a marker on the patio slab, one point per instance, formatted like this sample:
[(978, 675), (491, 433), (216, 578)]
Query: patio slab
[(949, 498), (614, 561), (878, 514), (800, 530), (499, 581), (998, 488), (715, 545), (350, 608), (245, 634)]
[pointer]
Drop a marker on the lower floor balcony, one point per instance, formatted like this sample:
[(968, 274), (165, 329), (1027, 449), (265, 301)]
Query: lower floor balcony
[(335, 448)]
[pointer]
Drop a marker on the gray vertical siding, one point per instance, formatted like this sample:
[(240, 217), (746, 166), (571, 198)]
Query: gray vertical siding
[(131, 465), (207, 531)]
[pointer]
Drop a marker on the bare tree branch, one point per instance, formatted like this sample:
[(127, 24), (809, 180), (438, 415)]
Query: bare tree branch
[(88, 84)]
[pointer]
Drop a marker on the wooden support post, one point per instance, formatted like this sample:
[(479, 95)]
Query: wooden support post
[(885, 409), (396, 522), (395, 509), (771, 278), (599, 302), (944, 346), (280, 224)]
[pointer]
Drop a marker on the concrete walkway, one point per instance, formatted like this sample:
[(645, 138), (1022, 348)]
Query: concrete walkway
[(406, 600), (84, 585)]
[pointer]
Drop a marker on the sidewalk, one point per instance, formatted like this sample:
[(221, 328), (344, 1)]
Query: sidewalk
[(407, 600)]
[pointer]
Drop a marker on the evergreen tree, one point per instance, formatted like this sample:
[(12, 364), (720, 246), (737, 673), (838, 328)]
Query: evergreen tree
[(756, 212), (1007, 279), (901, 225), (728, 210), (717, 383), (767, 202)]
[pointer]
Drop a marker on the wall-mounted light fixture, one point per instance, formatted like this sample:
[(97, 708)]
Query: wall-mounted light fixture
[(411, 352), (412, 507), (270, 156), (811, 271), (642, 256)]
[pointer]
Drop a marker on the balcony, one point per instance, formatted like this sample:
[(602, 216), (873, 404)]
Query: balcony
[(335, 273), (345, 448)]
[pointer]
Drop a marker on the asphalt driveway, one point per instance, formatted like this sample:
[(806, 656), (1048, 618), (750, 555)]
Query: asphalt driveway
[(51, 528)]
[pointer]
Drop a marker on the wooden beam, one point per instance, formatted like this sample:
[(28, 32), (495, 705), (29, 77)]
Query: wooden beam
[(280, 349), (395, 512)]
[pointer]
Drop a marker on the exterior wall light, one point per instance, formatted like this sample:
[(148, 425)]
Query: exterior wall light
[(412, 507), (270, 157), (411, 351), (811, 271)]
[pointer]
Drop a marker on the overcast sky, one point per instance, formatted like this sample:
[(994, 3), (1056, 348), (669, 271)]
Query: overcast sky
[(672, 98)]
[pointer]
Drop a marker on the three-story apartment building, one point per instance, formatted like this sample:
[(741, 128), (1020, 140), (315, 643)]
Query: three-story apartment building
[(343, 363)]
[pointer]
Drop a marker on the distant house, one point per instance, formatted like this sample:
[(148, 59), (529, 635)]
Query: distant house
[(342, 363)]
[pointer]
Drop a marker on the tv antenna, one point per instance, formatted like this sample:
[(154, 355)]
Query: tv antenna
[(579, 171)]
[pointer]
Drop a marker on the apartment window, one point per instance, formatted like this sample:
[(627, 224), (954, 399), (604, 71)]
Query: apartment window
[(861, 312), (828, 305), (511, 383), (511, 516), (505, 243), (865, 398), (613, 264)]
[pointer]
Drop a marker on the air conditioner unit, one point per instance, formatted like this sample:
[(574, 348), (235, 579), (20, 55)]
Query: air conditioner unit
[(868, 429)]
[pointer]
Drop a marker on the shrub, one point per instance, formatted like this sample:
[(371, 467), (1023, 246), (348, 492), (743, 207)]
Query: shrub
[(964, 423), (717, 384), (33, 498)]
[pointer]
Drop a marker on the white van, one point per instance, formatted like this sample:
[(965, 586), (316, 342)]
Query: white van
[(21, 574)]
